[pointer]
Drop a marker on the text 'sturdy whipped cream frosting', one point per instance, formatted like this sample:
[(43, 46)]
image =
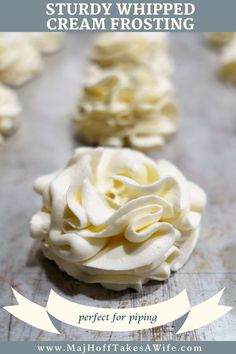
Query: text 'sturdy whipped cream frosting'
[(10, 108), (116, 217), (128, 95)]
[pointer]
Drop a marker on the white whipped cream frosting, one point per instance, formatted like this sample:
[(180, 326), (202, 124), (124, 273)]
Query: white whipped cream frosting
[(47, 42), (116, 217), (227, 42), (10, 108), (21, 54), (128, 96), (19, 58), (128, 49), (134, 109), (220, 39), (228, 62)]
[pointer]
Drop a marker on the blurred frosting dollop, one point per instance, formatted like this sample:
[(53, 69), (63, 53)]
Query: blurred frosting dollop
[(21, 54), (128, 49), (116, 217), (128, 94), (10, 108), (47, 42), (220, 39), (20, 60), (226, 41), (228, 62)]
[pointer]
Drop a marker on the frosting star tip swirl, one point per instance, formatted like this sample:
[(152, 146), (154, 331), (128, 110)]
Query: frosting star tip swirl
[(128, 95), (116, 217)]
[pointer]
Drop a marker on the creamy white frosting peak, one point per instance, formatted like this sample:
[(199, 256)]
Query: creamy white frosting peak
[(10, 108), (119, 109), (128, 96), (20, 54), (127, 48), (19, 59), (116, 217)]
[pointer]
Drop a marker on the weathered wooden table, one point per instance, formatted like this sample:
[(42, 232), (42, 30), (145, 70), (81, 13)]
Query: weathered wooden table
[(204, 149)]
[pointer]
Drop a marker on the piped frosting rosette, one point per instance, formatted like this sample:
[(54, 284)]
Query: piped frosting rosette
[(116, 217), (21, 54), (10, 108), (128, 96), (19, 59), (127, 109)]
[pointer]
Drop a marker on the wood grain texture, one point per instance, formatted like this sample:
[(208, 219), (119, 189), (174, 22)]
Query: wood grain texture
[(204, 149)]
